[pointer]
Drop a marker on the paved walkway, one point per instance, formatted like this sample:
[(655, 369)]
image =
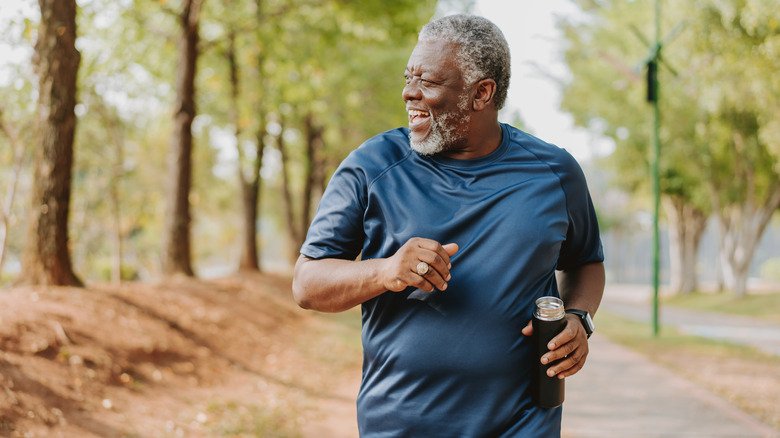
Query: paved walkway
[(633, 302), (619, 393)]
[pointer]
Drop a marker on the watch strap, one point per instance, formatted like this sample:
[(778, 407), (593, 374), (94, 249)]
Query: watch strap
[(585, 319)]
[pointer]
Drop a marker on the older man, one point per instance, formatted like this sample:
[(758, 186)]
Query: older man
[(461, 222)]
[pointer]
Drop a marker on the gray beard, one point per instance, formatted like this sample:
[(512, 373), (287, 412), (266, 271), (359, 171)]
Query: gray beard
[(443, 135)]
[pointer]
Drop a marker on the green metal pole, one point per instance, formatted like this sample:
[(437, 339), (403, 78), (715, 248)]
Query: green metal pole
[(655, 171)]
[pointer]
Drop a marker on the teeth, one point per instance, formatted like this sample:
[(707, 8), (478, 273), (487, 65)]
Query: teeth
[(417, 113)]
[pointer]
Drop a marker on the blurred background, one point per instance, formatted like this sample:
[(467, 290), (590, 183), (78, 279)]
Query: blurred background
[(305, 84), (206, 131)]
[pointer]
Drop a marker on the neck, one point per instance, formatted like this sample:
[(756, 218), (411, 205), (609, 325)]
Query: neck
[(482, 140)]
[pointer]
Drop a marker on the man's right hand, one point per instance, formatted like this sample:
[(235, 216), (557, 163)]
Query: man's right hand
[(400, 270)]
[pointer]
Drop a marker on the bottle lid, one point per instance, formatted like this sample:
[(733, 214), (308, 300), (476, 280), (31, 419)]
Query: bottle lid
[(549, 309)]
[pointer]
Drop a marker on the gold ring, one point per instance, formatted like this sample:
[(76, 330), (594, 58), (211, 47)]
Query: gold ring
[(423, 268)]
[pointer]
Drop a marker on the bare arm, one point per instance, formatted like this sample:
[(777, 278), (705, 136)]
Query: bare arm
[(334, 285), (582, 289)]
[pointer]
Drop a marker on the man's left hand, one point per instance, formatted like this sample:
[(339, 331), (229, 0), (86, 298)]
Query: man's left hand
[(570, 345)]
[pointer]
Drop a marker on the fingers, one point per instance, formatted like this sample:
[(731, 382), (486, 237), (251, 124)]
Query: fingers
[(528, 330), (401, 270), (439, 274), (573, 327), (568, 350), (434, 246), (438, 258), (568, 366), (451, 248)]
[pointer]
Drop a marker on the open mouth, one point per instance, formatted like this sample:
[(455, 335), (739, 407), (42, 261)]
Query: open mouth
[(417, 118)]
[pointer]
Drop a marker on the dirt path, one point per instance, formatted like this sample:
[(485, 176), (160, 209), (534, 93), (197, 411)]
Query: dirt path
[(230, 357), (236, 357), (337, 416)]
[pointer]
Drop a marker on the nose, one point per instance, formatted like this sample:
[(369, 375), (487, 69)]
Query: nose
[(411, 91)]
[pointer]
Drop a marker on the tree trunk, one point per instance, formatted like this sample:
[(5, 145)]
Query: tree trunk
[(114, 128), (741, 227), (46, 257), (116, 213), (313, 175), (116, 199), (292, 229), (8, 203), (720, 283), (686, 226), (251, 187), (252, 204), (176, 257), (249, 183)]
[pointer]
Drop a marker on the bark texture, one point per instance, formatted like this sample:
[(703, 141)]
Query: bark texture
[(46, 257), (313, 174), (313, 182), (8, 202), (741, 228), (686, 226), (176, 257), (742, 224), (289, 208), (248, 182)]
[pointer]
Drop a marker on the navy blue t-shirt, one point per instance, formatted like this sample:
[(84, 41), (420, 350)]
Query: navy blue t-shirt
[(455, 363)]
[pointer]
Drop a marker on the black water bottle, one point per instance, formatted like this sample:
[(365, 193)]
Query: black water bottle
[(548, 321)]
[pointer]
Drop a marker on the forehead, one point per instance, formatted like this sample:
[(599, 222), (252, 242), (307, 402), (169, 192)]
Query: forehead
[(434, 56)]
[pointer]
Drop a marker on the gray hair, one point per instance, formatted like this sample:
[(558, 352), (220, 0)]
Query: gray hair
[(483, 50)]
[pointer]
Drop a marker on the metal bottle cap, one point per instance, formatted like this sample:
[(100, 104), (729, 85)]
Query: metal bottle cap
[(549, 309)]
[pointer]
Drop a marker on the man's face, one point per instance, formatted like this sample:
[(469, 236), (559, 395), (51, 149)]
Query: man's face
[(436, 98)]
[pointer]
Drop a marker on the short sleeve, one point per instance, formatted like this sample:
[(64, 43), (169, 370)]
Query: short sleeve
[(583, 241), (337, 228)]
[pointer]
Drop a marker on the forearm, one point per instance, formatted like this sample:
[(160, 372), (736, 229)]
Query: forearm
[(334, 285), (582, 288)]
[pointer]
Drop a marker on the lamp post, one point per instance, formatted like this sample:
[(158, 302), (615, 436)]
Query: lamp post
[(651, 63), (653, 95)]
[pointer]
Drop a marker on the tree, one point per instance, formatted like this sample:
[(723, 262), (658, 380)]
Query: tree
[(314, 75), (176, 255), (736, 91), (46, 258), (606, 94), (332, 90), (717, 156), (7, 204)]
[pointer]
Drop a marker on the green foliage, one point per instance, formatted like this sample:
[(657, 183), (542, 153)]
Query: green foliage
[(719, 115), (607, 94), (732, 52), (340, 62)]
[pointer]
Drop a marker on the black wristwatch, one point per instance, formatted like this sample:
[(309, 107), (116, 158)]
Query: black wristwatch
[(585, 318)]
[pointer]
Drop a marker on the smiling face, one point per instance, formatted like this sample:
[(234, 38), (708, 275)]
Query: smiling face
[(437, 101)]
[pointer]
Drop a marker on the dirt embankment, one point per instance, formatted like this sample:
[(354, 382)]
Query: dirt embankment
[(181, 358)]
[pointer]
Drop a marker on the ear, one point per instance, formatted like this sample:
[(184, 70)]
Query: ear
[(483, 97)]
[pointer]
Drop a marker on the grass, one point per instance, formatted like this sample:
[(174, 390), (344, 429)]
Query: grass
[(639, 336), (765, 306), (233, 419), (746, 377)]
